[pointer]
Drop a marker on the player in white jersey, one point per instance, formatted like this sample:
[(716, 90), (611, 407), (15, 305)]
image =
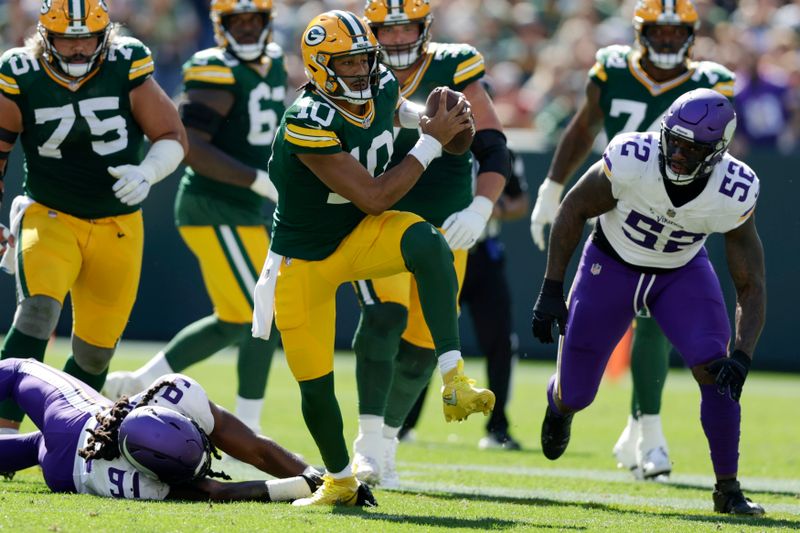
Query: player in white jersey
[(157, 445), (658, 198)]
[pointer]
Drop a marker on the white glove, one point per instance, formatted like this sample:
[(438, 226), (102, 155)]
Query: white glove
[(544, 211), (462, 228), (133, 183), (263, 186)]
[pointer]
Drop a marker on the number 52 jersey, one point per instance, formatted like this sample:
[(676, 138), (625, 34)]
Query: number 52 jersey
[(645, 228)]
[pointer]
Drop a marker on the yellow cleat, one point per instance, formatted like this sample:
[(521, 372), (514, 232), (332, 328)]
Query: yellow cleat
[(461, 398), (347, 491)]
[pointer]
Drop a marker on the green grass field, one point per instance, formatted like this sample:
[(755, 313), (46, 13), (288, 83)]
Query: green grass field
[(450, 485)]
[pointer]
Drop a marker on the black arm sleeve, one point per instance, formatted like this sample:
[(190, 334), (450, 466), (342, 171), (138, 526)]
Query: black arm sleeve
[(200, 117), (491, 152)]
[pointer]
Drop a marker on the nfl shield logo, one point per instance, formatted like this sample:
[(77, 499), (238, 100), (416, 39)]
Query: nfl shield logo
[(671, 213), (596, 268)]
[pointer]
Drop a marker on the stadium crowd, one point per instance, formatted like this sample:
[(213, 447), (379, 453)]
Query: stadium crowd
[(537, 52)]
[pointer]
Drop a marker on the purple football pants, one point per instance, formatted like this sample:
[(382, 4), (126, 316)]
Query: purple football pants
[(59, 405), (689, 307)]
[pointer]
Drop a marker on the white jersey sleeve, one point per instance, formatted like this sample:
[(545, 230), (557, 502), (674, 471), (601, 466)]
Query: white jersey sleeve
[(738, 188), (186, 397)]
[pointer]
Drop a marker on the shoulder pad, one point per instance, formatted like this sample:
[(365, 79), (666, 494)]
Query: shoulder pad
[(311, 124), (274, 51), (740, 186), (626, 156), (213, 56), (211, 66), (15, 63), (714, 76), (614, 56), (464, 60), (130, 52)]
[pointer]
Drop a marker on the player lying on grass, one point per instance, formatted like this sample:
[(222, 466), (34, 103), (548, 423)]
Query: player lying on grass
[(155, 445)]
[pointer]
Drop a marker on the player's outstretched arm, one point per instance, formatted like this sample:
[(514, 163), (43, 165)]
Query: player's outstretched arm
[(590, 197), (203, 111), (276, 490), (571, 152), (344, 175), (746, 264), (233, 437)]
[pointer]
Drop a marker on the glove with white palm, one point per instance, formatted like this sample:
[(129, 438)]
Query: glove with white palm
[(463, 228), (544, 210)]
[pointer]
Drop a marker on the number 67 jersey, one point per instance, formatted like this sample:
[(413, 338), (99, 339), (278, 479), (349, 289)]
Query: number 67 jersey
[(645, 228), (73, 131)]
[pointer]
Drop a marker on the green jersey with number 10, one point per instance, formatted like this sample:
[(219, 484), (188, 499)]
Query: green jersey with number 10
[(632, 101), (72, 132), (311, 220), (246, 134)]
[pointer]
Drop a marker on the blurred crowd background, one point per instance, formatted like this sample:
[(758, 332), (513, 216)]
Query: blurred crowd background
[(537, 51)]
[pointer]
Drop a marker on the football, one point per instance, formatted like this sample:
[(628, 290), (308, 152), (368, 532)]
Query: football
[(463, 140)]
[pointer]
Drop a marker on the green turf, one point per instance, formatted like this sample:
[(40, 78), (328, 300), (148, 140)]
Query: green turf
[(453, 486)]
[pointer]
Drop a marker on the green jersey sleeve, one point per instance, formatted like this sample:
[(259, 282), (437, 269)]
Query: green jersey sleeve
[(310, 127), (610, 57), (714, 76), (462, 63), (132, 57), (14, 63), (209, 69)]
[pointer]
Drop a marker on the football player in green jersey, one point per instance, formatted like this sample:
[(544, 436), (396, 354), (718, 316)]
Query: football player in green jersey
[(333, 225), (629, 89), (234, 96), (395, 354), (81, 99)]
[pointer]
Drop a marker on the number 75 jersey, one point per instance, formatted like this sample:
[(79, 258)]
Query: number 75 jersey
[(645, 228), (72, 132)]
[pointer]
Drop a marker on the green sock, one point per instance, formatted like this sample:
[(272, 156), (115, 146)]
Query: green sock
[(649, 366), (95, 381), (376, 343), (430, 260), (255, 358), (324, 420), (18, 344), (412, 372), (202, 339)]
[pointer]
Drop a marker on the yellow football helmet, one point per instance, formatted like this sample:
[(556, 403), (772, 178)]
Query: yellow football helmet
[(665, 13), (222, 9), (397, 12), (74, 19), (335, 34)]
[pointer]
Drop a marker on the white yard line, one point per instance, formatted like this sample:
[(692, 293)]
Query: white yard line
[(579, 497), (760, 484)]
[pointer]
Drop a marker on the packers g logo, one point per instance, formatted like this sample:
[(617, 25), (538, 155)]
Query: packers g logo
[(315, 35), (46, 4)]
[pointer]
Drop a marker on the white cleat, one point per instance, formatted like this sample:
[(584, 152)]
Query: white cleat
[(366, 469), (656, 465), (119, 384), (625, 448), (367, 457), (652, 453), (389, 478)]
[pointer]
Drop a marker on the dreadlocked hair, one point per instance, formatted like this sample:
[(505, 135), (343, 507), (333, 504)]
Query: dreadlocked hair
[(216, 455), (103, 442)]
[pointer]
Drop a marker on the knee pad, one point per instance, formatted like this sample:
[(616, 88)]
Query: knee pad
[(422, 244), (379, 331), (92, 359), (37, 316)]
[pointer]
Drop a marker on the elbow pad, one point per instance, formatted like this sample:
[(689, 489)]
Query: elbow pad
[(408, 114), (491, 152)]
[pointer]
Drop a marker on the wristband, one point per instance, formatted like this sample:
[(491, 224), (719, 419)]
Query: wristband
[(741, 357), (552, 287), (426, 150), (483, 206)]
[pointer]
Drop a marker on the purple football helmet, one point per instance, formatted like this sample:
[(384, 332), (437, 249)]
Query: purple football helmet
[(695, 133), (164, 445)]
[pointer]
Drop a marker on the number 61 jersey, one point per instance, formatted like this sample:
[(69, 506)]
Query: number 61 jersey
[(645, 228), (72, 132)]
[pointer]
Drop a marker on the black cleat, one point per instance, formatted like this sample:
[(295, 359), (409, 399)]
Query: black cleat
[(728, 499), (364, 497), (555, 434), (8, 476)]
